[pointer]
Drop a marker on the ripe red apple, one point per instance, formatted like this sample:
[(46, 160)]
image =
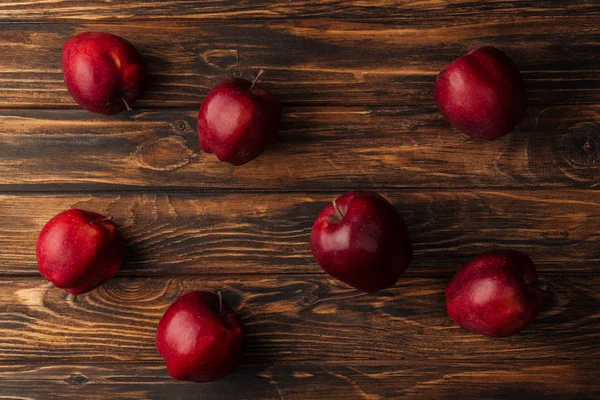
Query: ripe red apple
[(238, 120), (103, 72), (494, 294), (482, 93), (361, 240), (79, 250), (200, 338)]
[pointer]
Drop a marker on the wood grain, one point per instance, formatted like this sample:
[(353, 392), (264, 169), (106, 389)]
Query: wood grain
[(355, 78), (319, 148), (312, 62), (389, 10), (409, 379), (187, 234), (292, 319)]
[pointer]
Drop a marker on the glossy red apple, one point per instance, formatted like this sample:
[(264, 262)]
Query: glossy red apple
[(494, 294), (200, 338), (104, 73), (79, 250), (482, 93), (361, 240), (238, 120)]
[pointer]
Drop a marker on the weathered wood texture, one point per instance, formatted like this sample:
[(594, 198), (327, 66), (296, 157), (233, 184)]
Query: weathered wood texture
[(312, 61), (319, 148), (239, 234), (389, 10), (355, 78), (293, 319), (408, 379)]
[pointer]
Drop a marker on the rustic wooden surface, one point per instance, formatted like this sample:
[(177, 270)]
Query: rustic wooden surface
[(313, 61), (355, 79)]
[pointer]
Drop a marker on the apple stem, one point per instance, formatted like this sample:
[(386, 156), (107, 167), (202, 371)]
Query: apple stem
[(260, 73), (337, 209), (126, 104), (220, 301), (106, 219)]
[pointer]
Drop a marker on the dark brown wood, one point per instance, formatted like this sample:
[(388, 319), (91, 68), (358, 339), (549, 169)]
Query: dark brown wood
[(408, 379), (389, 10), (293, 319), (312, 62), (252, 233), (355, 78), (331, 148)]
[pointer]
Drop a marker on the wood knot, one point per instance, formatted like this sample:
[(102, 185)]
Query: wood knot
[(180, 126), (583, 144), (77, 380), (308, 299), (164, 154), (138, 294), (566, 143), (223, 59)]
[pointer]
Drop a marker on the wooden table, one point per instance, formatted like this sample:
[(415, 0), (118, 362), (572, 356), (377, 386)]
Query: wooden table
[(355, 79)]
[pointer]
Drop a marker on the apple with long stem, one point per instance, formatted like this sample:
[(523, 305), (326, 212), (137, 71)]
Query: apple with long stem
[(238, 120)]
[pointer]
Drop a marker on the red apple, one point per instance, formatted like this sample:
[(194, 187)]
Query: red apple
[(494, 294), (103, 72), (200, 338), (361, 240), (482, 93), (238, 120), (79, 250)]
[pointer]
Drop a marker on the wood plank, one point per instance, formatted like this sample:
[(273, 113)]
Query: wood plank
[(319, 148), (409, 379), (292, 319), (239, 234), (312, 62), (397, 10)]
